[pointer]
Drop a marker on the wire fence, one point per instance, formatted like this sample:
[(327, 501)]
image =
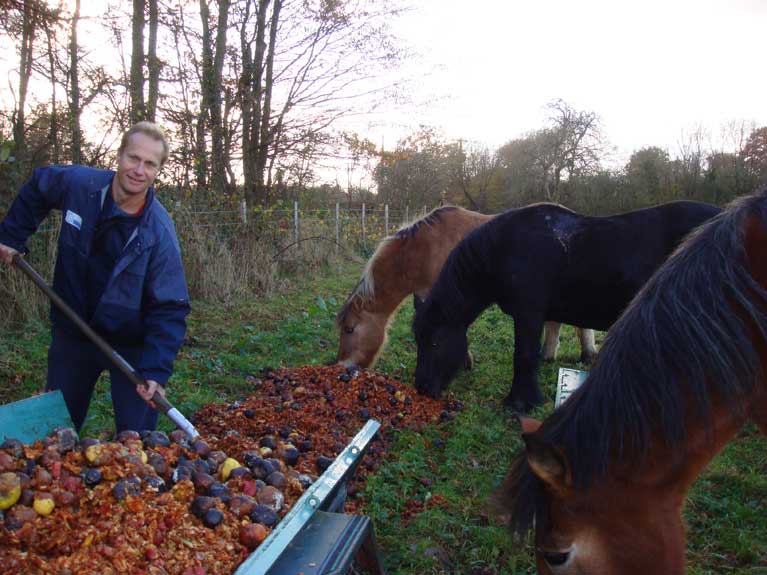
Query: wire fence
[(229, 253), (356, 230)]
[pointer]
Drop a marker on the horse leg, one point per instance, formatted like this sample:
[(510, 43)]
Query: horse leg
[(525, 393), (550, 340), (588, 346)]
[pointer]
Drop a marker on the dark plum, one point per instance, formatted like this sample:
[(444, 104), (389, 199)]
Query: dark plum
[(156, 439), (220, 491), (126, 435), (156, 483), (181, 473), (264, 515), (91, 477), (250, 457), (202, 481), (242, 472), (158, 463), (66, 437), (323, 463), (305, 445), (212, 518), (261, 468), (130, 486), (201, 504), (14, 447), (201, 448), (276, 479), (268, 441), (290, 455)]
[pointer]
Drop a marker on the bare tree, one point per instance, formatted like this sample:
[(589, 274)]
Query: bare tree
[(137, 106), (212, 87), (153, 64), (74, 90)]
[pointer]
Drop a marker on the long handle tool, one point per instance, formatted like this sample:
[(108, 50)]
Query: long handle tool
[(174, 414)]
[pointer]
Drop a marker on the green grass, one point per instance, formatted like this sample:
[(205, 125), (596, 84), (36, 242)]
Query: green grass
[(457, 464)]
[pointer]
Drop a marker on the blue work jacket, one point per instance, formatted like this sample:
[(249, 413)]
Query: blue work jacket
[(145, 302)]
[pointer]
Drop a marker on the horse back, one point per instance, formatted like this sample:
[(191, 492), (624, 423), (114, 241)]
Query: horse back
[(583, 270)]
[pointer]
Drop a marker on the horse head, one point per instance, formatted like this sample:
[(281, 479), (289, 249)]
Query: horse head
[(598, 530), (362, 335), (442, 349)]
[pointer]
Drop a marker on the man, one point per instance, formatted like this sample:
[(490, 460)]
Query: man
[(118, 266)]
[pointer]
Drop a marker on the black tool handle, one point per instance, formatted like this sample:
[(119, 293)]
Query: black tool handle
[(108, 350)]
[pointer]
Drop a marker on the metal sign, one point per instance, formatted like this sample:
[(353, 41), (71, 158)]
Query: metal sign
[(568, 381)]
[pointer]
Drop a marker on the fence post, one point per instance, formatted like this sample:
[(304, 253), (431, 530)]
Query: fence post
[(244, 211), (407, 214), (386, 220), (295, 218), (363, 225), (338, 229)]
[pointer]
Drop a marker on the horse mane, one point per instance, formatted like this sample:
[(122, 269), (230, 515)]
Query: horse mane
[(364, 292), (678, 338), (465, 265)]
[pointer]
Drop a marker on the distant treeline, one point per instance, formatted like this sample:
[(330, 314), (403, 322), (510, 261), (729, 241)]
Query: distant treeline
[(251, 94)]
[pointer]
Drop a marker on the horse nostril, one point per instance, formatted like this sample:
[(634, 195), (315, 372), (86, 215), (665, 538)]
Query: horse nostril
[(555, 558)]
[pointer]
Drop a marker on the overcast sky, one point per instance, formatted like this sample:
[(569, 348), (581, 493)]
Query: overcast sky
[(651, 70)]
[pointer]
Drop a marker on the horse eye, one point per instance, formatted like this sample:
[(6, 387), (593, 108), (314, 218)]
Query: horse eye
[(435, 344), (555, 558), (349, 329)]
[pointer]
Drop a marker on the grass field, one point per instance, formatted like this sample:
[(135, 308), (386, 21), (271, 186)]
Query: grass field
[(451, 469)]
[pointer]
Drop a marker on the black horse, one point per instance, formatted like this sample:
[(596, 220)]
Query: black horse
[(542, 263)]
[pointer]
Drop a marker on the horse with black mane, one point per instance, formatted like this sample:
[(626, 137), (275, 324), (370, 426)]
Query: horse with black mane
[(542, 263), (409, 262), (603, 480)]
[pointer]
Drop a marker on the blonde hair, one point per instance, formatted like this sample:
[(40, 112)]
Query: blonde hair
[(149, 129)]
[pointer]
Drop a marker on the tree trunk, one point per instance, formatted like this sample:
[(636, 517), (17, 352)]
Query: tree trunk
[(137, 107), (218, 168), (25, 71), (153, 64), (250, 90), (53, 128), (74, 91), (265, 134)]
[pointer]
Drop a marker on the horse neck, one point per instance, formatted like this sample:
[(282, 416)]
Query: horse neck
[(669, 474), (391, 281), (456, 295)]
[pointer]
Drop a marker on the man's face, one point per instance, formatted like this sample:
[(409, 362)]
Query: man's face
[(138, 164)]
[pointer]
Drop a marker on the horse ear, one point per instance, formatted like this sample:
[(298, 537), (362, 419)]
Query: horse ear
[(529, 425), (549, 463)]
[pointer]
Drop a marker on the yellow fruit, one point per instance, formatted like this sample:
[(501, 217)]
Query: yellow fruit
[(93, 452), (43, 505), (10, 489), (227, 466)]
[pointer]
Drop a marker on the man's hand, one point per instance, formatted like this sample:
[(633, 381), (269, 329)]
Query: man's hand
[(7, 253), (148, 390)]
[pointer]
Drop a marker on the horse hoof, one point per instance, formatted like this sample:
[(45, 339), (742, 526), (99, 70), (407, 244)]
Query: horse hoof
[(517, 407)]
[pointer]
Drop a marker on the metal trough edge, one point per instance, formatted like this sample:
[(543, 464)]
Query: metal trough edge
[(318, 496)]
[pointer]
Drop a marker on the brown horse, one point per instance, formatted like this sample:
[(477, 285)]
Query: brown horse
[(407, 263), (602, 481)]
